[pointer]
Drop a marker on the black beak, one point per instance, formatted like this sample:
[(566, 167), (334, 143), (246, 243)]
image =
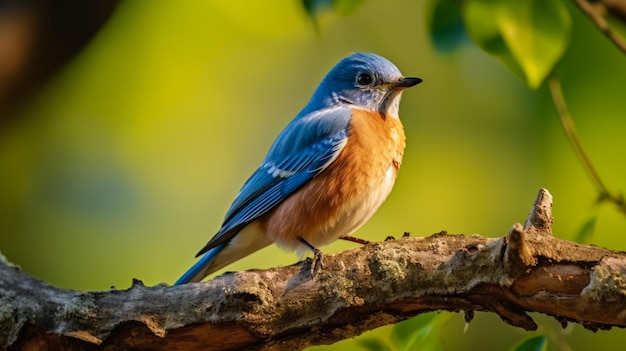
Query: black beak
[(407, 82)]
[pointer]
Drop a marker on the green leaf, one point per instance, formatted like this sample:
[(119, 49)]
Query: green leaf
[(482, 25), (586, 230), (425, 334), (373, 344), (529, 36), (537, 33), (446, 25), (402, 332), (535, 343)]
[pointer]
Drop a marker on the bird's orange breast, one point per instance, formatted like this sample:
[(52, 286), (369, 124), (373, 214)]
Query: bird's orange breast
[(347, 193)]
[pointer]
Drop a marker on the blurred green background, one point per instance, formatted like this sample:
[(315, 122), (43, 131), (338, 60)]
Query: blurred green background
[(124, 165)]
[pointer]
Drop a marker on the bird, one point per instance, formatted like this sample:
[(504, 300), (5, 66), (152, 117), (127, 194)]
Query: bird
[(326, 173)]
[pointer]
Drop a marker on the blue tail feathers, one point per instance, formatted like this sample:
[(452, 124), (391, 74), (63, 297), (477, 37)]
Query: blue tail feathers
[(200, 266)]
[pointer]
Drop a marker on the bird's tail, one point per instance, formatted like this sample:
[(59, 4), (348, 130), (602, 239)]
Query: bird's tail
[(250, 239), (200, 270)]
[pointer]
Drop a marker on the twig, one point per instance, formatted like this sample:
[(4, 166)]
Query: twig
[(602, 24), (570, 130)]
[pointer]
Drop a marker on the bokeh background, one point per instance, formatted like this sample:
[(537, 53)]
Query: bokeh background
[(123, 165)]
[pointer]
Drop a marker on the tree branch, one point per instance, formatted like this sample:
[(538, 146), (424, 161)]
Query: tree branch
[(601, 23), (528, 270), (617, 8)]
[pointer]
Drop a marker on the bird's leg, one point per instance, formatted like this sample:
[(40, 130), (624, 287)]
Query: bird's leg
[(317, 263), (355, 240)]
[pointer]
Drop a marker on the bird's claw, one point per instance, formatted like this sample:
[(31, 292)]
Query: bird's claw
[(317, 263)]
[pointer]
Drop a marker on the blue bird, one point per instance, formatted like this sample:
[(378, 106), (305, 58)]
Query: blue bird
[(327, 172)]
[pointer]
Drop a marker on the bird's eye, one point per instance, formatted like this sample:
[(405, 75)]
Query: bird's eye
[(364, 79)]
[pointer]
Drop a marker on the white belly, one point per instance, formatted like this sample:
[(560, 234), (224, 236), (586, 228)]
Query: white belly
[(358, 210)]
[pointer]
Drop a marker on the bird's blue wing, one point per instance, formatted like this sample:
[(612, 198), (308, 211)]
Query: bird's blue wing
[(304, 148)]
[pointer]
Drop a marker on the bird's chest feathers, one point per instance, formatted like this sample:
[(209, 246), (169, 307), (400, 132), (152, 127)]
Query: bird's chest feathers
[(364, 173), (375, 147)]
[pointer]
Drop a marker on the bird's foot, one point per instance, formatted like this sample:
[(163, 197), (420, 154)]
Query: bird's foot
[(317, 262)]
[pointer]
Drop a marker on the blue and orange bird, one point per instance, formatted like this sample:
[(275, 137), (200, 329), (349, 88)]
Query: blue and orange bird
[(327, 172)]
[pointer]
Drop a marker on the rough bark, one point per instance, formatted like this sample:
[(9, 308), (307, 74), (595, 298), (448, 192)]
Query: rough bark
[(528, 270)]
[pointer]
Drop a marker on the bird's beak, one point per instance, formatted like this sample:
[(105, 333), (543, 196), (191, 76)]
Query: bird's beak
[(407, 82)]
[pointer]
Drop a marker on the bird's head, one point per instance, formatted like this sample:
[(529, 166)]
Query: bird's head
[(365, 81)]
